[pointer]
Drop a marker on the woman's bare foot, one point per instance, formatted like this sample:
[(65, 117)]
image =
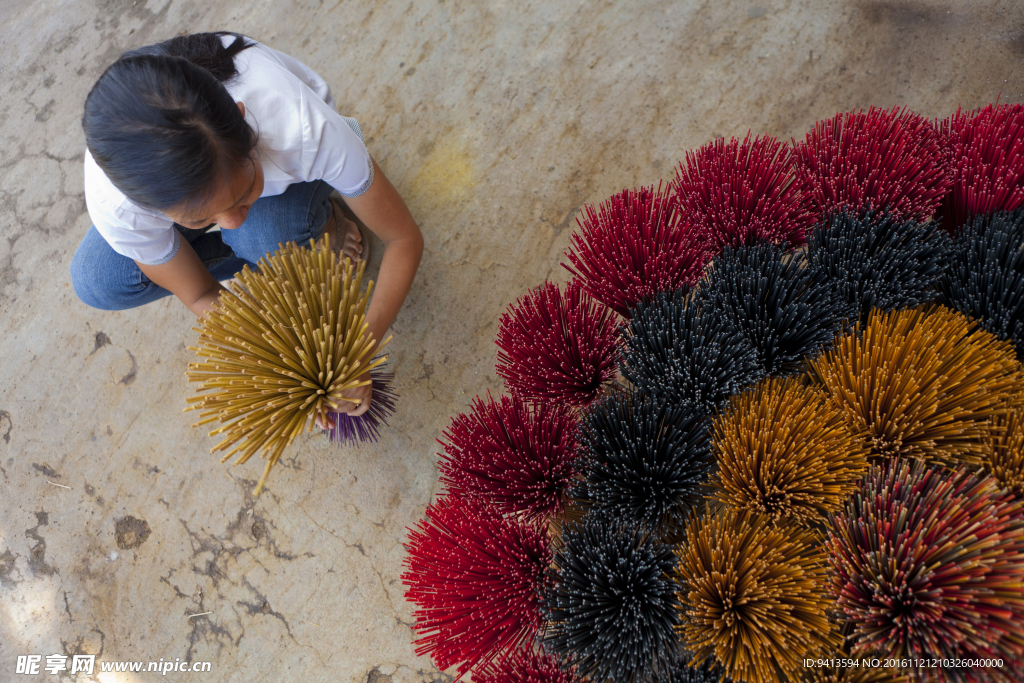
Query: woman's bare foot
[(343, 232)]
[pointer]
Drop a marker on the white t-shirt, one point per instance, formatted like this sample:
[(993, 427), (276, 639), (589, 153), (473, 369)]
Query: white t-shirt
[(301, 138)]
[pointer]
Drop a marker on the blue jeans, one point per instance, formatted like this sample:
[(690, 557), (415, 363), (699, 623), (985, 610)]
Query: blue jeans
[(104, 279)]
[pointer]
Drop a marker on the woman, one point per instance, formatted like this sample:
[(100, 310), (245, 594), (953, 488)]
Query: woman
[(214, 129)]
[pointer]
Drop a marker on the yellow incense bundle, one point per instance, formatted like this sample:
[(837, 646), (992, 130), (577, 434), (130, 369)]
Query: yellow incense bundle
[(282, 346), (922, 382), (1005, 459), (754, 596), (785, 452)]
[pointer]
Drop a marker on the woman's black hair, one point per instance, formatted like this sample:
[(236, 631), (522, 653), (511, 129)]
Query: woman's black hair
[(163, 127)]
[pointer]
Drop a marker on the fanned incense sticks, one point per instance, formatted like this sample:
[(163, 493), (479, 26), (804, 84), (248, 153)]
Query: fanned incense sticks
[(686, 354), (873, 260), (745, 192), (784, 451), (530, 667), (642, 461), (520, 457), (556, 346), (891, 161), (773, 300), (985, 279), (474, 576), (282, 346), (987, 157), (612, 602), (753, 596), (922, 383), (926, 561), (635, 245)]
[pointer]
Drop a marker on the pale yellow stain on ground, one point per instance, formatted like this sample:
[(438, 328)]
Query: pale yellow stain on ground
[(447, 173)]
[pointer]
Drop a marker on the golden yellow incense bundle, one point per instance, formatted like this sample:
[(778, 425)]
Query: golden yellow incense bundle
[(1005, 460), (784, 451), (754, 596), (922, 383), (283, 345)]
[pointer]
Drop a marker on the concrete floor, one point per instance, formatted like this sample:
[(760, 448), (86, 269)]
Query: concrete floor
[(496, 121)]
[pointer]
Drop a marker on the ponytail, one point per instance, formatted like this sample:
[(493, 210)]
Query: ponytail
[(205, 50)]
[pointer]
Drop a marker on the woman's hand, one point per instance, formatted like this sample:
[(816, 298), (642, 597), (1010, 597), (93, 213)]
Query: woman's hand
[(363, 395)]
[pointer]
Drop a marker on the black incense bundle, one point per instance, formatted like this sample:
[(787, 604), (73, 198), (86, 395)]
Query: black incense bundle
[(685, 354), (643, 461), (985, 279), (612, 602), (873, 260), (774, 301)]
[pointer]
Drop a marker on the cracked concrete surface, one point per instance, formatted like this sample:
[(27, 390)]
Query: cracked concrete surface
[(496, 121)]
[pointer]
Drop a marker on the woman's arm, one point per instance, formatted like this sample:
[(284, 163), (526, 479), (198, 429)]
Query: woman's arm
[(187, 278), (382, 210)]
